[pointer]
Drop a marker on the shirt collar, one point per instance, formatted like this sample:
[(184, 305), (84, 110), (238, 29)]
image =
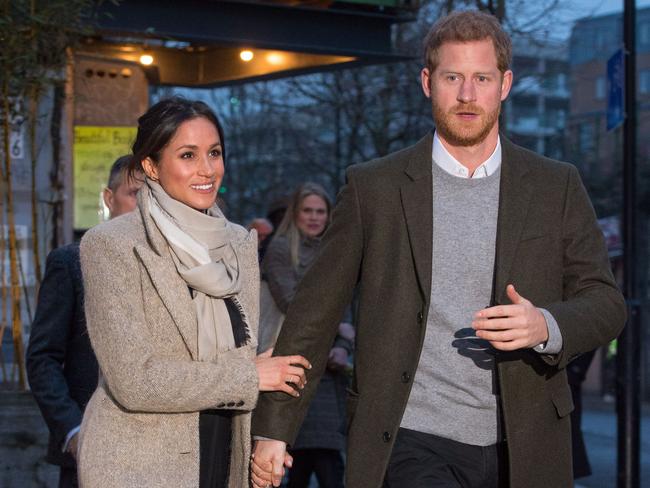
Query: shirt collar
[(451, 165)]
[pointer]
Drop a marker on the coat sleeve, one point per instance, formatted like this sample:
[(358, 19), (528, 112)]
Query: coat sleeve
[(312, 319), (140, 377), (592, 311), (279, 273), (48, 343)]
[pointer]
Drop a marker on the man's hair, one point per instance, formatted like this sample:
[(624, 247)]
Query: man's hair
[(118, 172), (467, 26)]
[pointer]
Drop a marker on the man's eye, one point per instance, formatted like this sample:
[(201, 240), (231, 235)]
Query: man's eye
[(452, 77), (482, 79)]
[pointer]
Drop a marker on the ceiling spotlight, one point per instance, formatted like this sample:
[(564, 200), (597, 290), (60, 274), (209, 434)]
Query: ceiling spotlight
[(275, 58), (246, 55), (146, 59)]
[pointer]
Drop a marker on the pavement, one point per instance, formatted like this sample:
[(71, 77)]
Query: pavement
[(599, 429)]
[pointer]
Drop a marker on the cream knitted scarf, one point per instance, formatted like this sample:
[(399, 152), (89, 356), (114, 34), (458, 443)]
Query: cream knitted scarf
[(203, 249)]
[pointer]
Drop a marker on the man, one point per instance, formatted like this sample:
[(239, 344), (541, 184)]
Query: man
[(482, 272), (61, 365)]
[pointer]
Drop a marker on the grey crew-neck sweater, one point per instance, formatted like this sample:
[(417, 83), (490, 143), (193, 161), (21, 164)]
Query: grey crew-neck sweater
[(453, 394)]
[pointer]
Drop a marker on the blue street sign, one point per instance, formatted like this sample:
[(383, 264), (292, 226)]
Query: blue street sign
[(615, 90)]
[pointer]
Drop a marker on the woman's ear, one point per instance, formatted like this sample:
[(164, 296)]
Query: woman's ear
[(150, 169)]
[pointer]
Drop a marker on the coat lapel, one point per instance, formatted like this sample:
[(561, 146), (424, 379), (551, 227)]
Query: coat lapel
[(417, 202), (514, 197), (171, 288)]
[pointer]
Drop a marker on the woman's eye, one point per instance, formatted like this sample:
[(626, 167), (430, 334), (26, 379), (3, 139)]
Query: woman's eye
[(215, 153), (187, 155)]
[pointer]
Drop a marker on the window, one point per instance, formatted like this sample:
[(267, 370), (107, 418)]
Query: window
[(601, 88), (644, 81), (586, 138), (644, 33)]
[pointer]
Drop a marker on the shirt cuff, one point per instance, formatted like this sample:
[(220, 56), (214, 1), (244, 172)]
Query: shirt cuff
[(70, 435), (554, 343)]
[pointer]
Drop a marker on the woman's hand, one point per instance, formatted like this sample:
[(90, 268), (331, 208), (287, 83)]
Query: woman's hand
[(281, 373)]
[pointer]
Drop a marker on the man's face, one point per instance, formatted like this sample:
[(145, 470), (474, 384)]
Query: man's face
[(466, 91), (123, 199)]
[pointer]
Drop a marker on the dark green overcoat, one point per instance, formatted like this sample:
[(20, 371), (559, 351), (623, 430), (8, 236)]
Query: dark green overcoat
[(549, 246)]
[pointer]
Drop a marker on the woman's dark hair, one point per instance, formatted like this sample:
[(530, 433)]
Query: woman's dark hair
[(159, 124)]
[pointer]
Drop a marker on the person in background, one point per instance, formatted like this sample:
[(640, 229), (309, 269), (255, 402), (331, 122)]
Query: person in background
[(61, 365), (576, 375), (482, 272), (293, 248), (264, 229), (171, 299)]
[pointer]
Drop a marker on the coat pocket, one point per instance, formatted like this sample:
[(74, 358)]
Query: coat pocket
[(562, 400)]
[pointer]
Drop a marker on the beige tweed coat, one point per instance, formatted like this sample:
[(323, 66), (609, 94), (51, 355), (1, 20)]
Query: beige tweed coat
[(141, 427)]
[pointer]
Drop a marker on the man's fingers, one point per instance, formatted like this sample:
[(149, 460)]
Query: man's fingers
[(498, 335), (288, 460), (278, 471), (498, 311)]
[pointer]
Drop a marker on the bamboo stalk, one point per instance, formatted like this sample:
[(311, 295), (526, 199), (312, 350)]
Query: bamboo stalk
[(33, 118), (3, 253), (16, 322)]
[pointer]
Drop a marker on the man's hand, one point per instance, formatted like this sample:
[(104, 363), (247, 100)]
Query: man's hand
[(267, 463), (338, 359), (73, 445), (510, 327)]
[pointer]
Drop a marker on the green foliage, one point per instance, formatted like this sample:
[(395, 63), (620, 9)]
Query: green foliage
[(35, 35)]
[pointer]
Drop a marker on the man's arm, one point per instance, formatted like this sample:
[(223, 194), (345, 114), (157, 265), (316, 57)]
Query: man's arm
[(314, 315), (48, 342), (592, 311)]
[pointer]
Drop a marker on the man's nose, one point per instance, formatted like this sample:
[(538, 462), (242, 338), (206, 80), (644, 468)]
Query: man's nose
[(467, 92)]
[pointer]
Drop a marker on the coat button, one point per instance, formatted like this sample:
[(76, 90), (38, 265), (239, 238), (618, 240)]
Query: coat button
[(420, 317), (231, 404), (386, 436), (406, 377), (240, 403), (221, 405)]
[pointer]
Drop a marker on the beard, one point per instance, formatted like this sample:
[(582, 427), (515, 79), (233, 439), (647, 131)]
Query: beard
[(459, 133)]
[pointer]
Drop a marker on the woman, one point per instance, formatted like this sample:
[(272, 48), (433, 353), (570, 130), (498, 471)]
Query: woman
[(318, 446), (171, 294)]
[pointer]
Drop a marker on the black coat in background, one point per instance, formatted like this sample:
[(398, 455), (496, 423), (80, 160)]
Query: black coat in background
[(61, 365)]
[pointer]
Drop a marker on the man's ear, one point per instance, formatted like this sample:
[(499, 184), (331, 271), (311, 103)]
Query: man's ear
[(150, 169), (425, 79), (108, 198)]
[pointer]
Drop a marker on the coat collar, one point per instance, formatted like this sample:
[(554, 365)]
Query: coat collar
[(514, 198), (171, 288), (416, 194)]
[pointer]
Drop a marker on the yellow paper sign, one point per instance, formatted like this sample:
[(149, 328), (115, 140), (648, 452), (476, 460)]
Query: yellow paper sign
[(95, 150)]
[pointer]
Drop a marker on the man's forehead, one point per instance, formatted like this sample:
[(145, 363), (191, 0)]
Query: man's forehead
[(481, 54)]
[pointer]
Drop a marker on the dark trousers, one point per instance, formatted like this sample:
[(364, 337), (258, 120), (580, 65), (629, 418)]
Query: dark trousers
[(68, 478), (326, 463), (214, 438), (420, 460)]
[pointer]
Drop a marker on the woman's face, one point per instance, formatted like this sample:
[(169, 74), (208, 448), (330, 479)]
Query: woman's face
[(191, 167), (312, 216)]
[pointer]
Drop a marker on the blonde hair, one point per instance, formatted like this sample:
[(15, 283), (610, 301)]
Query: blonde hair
[(288, 227)]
